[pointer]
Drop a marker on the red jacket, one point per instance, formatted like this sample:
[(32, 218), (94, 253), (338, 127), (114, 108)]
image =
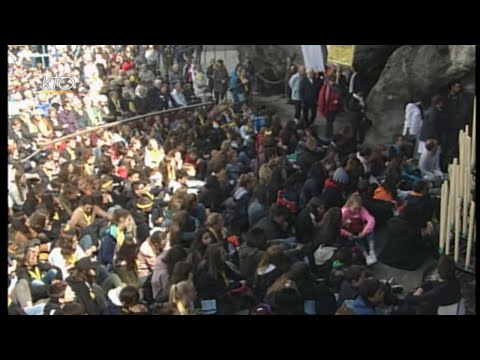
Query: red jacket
[(330, 105)]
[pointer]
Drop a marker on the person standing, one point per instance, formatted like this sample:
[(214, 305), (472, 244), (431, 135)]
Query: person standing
[(309, 94), (220, 81), (458, 109), (294, 83), (356, 112), (413, 122), (329, 104), (210, 70), (432, 125), (291, 69)]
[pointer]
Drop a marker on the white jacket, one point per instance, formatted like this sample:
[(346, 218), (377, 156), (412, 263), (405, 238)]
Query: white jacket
[(294, 83), (413, 120)]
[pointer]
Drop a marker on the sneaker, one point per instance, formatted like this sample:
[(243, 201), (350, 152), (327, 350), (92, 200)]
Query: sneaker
[(373, 257), (369, 260)]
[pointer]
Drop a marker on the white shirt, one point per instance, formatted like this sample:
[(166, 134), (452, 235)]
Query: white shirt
[(413, 120), (350, 86), (179, 98), (56, 258)]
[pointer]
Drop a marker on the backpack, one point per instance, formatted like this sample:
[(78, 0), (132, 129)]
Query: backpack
[(147, 290)]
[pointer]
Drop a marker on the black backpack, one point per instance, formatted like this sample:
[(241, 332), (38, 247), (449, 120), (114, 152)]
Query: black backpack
[(148, 291)]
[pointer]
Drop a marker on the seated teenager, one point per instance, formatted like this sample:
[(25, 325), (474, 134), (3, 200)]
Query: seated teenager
[(442, 292), (358, 226), (370, 295)]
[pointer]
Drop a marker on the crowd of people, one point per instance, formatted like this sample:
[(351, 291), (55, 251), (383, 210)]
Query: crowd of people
[(217, 209)]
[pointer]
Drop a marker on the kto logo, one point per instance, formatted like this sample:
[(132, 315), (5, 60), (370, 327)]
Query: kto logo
[(58, 84)]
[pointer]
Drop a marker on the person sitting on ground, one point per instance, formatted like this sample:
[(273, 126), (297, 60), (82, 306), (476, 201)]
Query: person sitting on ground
[(354, 276), (183, 296), (371, 293), (429, 162), (358, 225), (442, 292), (404, 248), (333, 190), (251, 253)]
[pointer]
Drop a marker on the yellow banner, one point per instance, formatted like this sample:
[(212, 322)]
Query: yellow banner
[(341, 54)]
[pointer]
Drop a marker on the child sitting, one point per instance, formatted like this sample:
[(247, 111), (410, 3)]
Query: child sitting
[(358, 225)]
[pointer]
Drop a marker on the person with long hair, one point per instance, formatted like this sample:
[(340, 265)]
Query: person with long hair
[(18, 191), (21, 230), (125, 264), (214, 277), (148, 252), (199, 246), (88, 293), (273, 264), (300, 275), (163, 269), (183, 296), (67, 251)]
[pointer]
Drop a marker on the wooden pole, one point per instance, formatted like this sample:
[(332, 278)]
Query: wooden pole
[(470, 234), (457, 229)]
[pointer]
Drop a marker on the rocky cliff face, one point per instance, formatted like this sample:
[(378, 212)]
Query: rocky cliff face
[(416, 71)]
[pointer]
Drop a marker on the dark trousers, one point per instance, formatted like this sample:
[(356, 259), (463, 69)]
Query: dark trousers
[(298, 108), (219, 96), (358, 129), (312, 109), (329, 129)]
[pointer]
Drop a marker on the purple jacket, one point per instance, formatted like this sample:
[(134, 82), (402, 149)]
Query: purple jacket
[(68, 119)]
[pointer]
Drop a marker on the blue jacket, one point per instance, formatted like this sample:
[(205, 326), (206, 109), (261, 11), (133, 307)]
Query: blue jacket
[(233, 81), (360, 307), (107, 249)]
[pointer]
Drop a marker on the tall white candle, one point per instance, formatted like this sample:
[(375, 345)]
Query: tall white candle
[(443, 216), (470, 234), (474, 133), (466, 203), (450, 213), (457, 230)]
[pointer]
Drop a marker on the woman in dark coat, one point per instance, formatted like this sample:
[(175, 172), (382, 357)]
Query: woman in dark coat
[(404, 247)]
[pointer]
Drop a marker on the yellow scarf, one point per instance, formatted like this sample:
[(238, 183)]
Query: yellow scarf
[(71, 259), (117, 105), (91, 293), (42, 126), (171, 172), (120, 238), (88, 219), (224, 277), (244, 82), (9, 302), (55, 216), (181, 308), (71, 153), (214, 234), (131, 107), (35, 274)]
